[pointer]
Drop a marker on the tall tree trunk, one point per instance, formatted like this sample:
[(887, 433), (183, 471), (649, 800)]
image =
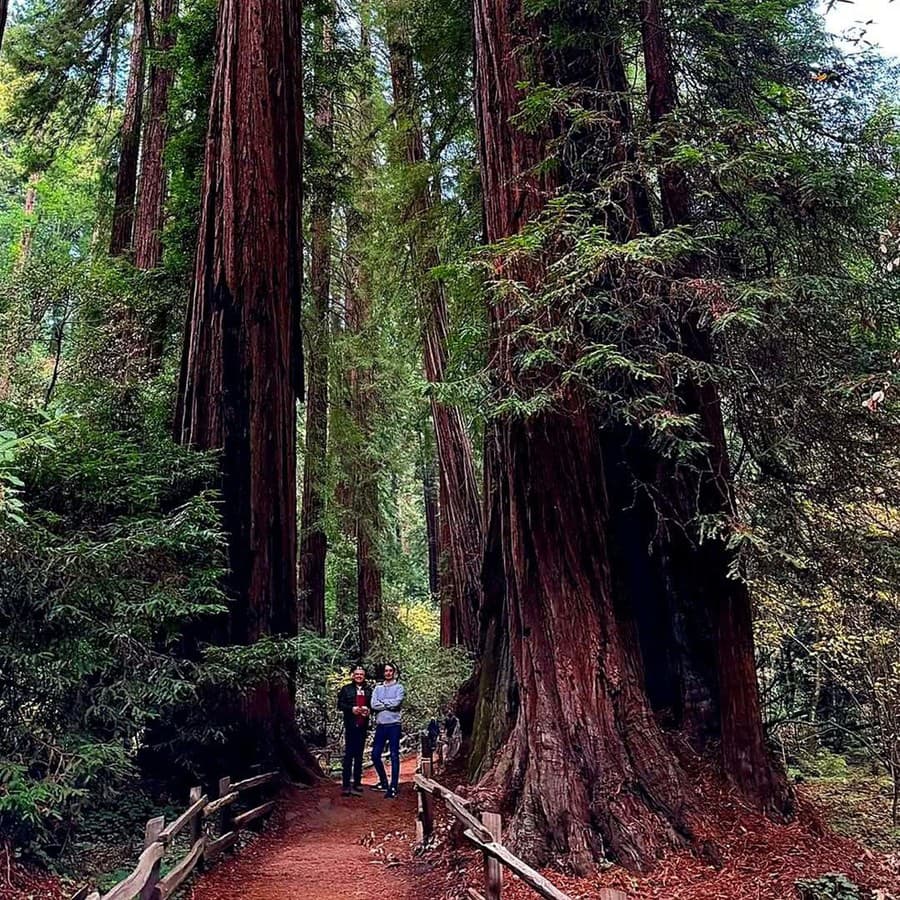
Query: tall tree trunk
[(242, 370), (586, 765), (367, 519), (716, 606), (129, 141), (366, 469), (460, 515), (152, 190), (313, 538), (430, 499)]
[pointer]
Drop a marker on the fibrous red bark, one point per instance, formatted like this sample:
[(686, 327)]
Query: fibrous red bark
[(461, 538), (587, 767), (129, 141), (242, 365), (313, 538), (152, 189)]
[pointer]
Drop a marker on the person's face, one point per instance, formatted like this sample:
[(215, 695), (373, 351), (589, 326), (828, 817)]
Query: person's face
[(359, 676), (388, 673)]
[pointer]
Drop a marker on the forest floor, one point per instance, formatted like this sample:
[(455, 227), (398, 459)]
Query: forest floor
[(329, 847), (322, 846)]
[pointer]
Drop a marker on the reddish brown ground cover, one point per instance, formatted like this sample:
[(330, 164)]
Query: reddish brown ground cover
[(328, 846), (21, 882)]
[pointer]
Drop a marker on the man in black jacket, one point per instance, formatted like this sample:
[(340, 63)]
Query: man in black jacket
[(355, 701)]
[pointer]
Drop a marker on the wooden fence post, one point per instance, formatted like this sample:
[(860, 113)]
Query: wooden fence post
[(227, 814), (427, 815), (493, 871), (197, 824), (151, 833)]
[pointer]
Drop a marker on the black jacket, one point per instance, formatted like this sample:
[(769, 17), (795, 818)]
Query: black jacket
[(347, 700)]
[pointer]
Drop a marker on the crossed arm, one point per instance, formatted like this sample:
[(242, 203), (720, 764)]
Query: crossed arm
[(393, 705)]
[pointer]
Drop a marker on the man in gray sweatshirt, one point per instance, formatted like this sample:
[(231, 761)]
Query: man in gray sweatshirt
[(387, 700)]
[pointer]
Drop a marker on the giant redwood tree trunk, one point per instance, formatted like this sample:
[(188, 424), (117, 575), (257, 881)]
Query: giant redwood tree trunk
[(586, 767), (129, 141), (242, 370), (152, 190), (313, 538), (461, 539)]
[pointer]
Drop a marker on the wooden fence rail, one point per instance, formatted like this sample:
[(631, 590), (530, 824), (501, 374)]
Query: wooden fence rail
[(486, 834), (146, 880)]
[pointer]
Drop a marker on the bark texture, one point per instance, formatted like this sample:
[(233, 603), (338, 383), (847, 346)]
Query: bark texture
[(4, 13), (150, 212), (242, 365), (461, 538), (129, 141), (587, 765), (313, 538)]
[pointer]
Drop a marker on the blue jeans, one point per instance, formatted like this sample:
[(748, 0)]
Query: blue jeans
[(390, 735)]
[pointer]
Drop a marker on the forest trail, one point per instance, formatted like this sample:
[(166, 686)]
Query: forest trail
[(321, 850)]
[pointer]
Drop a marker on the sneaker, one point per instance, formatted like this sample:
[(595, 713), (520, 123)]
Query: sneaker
[(379, 787), (390, 794), (357, 790), (346, 792)]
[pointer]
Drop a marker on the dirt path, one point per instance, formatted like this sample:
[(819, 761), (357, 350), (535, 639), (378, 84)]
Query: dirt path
[(322, 850)]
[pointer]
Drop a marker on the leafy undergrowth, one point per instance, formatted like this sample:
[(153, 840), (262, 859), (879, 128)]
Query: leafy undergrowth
[(857, 805)]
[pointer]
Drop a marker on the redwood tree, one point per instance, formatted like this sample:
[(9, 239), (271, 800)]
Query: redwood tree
[(129, 140), (586, 764), (313, 538), (459, 510), (152, 189), (242, 363), (365, 470)]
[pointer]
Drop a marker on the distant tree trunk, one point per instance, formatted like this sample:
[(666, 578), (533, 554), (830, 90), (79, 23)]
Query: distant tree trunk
[(367, 517), (313, 539), (430, 498), (586, 764), (152, 189), (129, 141), (29, 208), (460, 513), (366, 469), (242, 371)]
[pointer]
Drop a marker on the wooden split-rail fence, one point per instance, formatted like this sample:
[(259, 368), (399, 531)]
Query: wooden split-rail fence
[(486, 834), (213, 827)]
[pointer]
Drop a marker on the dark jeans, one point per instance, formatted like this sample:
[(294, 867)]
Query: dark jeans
[(354, 744), (390, 735)]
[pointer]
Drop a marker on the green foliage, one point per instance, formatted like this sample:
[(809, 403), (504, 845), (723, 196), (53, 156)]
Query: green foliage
[(832, 886), (115, 551), (823, 764)]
